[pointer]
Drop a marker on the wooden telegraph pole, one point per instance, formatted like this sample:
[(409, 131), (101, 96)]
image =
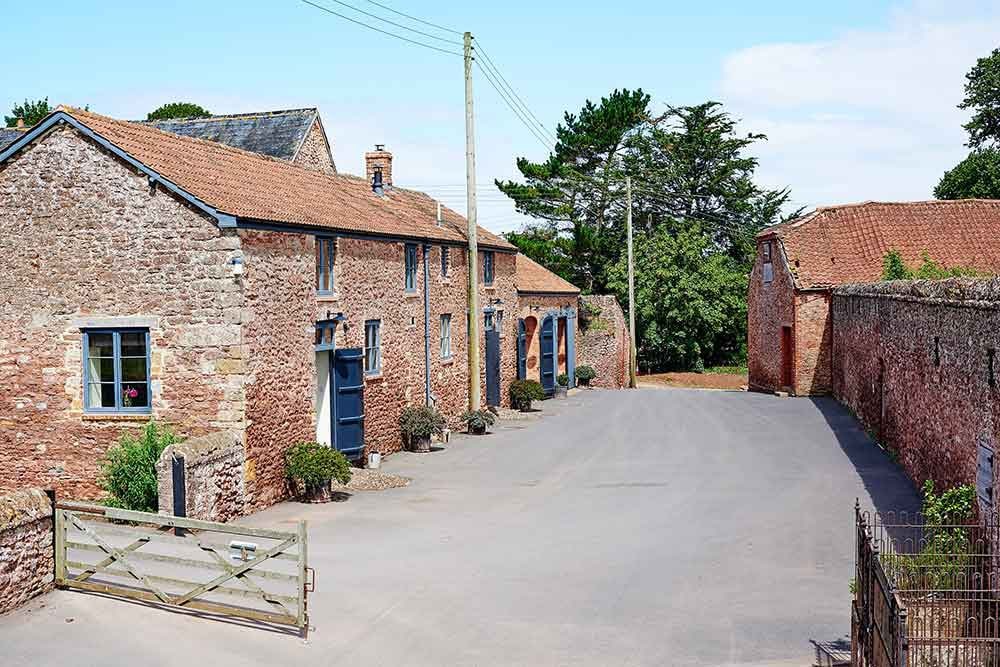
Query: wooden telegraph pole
[(631, 289), (470, 185)]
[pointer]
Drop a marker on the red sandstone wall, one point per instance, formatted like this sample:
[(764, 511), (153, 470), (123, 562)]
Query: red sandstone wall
[(533, 308), (27, 565), (603, 343), (82, 238), (313, 154), (770, 306), (812, 343), (933, 414)]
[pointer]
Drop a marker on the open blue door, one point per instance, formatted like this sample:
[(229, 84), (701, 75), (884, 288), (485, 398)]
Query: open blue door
[(492, 367), (349, 401), (547, 352), (522, 351)]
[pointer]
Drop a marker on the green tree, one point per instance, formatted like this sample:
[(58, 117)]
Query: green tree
[(178, 110), (30, 112), (975, 177), (894, 268), (982, 97)]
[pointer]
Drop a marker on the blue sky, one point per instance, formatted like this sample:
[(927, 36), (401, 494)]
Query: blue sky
[(857, 97)]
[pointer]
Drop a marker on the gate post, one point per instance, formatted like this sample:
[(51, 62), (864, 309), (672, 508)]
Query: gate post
[(180, 490)]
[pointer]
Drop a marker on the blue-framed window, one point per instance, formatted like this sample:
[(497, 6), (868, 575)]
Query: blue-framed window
[(326, 256), (116, 370), (326, 335), (446, 336), (488, 267), (373, 347), (411, 267), (445, 260)]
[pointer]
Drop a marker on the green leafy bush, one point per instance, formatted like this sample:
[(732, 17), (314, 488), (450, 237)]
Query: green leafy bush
[(584, 374), (562, 380), (478, 421), (421, 421), (178, 110), (699, 365), (523, 392), (894, 268), (313, 465), (127, 473)]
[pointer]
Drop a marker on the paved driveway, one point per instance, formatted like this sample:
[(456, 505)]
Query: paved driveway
[(655, 527)]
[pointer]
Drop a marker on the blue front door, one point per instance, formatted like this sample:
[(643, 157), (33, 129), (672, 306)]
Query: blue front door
[(349, 401), (522, 351), (547, 352)]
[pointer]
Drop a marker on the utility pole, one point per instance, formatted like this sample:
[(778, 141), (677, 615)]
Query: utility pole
[(631, 289), (470, 186)]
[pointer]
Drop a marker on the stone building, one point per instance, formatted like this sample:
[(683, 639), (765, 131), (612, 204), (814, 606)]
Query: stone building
[(799, 263), (153, 275), (547, 326)]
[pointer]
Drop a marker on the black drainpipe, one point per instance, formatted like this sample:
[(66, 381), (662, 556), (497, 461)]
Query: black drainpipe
[(427, 327)]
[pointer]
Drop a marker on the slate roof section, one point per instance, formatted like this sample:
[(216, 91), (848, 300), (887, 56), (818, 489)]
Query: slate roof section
[(8, 135), (835, 245), (256, 188), (532, 277), (278, 134)]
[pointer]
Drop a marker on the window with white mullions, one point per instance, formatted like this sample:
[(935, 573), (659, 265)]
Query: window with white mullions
[(446, 336), (488, 267), (373, 347), (116, 370), (326, 257)]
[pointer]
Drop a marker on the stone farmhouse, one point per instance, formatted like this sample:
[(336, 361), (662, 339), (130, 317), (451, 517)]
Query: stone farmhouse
[(239, 284), (801, 262)]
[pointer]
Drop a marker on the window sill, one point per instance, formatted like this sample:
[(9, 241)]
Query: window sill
[(490, 288), (448, 361), (117, 416), (411, 295), (328, 296), (373, 377)]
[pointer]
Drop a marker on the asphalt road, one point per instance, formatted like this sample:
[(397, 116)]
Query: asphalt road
[(654, 527)]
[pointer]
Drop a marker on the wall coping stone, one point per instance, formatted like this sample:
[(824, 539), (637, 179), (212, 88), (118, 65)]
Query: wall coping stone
[(203, 447), (981, 292), (23, 507), (126, 322)]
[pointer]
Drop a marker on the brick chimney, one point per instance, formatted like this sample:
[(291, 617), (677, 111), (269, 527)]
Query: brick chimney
[(379, 158)]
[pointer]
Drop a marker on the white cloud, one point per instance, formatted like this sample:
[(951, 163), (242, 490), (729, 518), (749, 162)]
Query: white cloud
[(868, 114)]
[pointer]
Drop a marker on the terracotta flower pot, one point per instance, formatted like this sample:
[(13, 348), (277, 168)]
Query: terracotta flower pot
[(477, 430)]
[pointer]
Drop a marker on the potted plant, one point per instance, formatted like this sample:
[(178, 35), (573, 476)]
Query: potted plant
[(584, 374), (562, 385), (478, 421), (523, 392), (311, 466), (419, 423)]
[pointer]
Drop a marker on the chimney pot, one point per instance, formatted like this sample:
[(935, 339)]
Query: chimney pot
[(379, 160), (20, 123)]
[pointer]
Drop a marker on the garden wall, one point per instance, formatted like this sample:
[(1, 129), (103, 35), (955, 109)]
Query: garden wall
[(603, 341), (915, 361), (26, 550), (213, 477)]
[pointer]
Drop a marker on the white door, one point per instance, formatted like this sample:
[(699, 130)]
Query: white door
[(323, 399)]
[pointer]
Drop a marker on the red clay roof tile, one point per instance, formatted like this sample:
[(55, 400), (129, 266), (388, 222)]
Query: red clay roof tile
[(533, 277)]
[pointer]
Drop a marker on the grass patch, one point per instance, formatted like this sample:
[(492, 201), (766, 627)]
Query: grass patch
[(727, 370)]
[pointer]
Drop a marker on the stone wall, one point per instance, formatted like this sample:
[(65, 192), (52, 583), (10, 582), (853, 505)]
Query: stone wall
[(26, 550), (85, 242), (213, 477), (603, 341), (315, 153), (812, 343), (913, 361), (533, 309), (770, 306)]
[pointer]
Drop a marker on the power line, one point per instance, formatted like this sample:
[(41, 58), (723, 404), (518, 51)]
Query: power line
[(414, 18), (384, 32), (496, 70), (512, 106), (398, 25)]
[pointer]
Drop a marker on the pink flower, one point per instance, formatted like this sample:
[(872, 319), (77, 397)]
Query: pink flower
[(131, 392)]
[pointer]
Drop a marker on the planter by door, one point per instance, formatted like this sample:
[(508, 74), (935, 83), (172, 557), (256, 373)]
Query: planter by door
[(420, 445)]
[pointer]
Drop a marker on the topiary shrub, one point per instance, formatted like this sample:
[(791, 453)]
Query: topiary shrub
[(478, 421), (523, 392), (127, 473), (584, 374), (310, 467), (419, 423)]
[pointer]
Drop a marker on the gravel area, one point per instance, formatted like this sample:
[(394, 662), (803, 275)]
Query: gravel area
[(363, 479), (730, 381)]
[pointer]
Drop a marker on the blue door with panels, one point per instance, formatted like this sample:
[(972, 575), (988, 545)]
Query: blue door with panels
[(547, 354), (522, 351), (349, 401), (492, 366)]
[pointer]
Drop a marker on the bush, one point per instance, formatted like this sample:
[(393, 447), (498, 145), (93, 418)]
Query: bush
[(699, 365), (127, 474), (421, 421), (563, 380), (478, 420), (523, 392), (314, 465), (584, 374)]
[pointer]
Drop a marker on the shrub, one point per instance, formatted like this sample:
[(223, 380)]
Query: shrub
[(584, 374), (127, 474), (314, 465), (699, 365), (478, 420), (563, 380), (523, 392), (421, 421)]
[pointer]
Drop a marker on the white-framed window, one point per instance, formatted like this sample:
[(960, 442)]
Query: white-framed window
[(373, 347), (446, 336), (326, 255), (768, 266)]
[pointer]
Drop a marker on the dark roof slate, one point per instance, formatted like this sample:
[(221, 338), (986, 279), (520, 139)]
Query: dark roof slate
[(277, 134), (8, 135)]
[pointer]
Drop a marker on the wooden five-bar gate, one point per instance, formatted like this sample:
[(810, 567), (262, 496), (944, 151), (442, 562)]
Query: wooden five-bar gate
[(185, 563)]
